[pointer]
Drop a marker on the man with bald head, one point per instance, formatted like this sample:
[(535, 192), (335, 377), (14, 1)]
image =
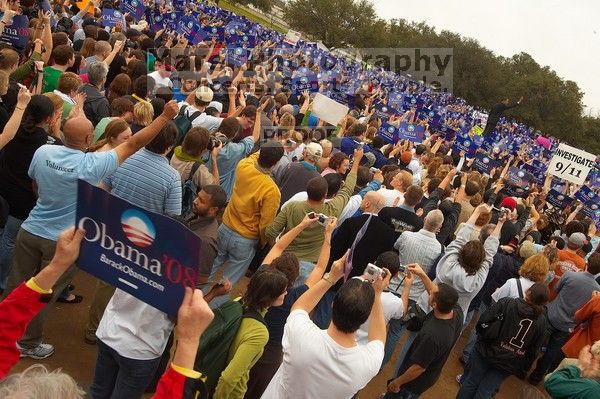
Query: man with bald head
[(55, 171), (366, 236), (420, 247)]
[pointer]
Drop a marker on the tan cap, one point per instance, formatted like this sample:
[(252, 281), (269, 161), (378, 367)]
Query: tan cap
[(204, 94)]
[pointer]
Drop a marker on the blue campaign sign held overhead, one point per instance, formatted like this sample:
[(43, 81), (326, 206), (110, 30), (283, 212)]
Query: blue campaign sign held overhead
[(17, 33), (411, 132), (215, 32), (389, 133), (236, 55), (191, 30), (148, 255), (135, 8), (484, 163), (558, 199), (465, 144), (112, 18), (585, 194)]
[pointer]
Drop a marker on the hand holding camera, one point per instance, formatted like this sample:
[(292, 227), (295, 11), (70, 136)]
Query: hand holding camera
[(321, 218)]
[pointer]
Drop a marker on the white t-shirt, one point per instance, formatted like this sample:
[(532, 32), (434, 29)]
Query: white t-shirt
[(510, 289), (133, 328), (392, 309), (314, 366), (159, 81), (390, 196), (301, 196)]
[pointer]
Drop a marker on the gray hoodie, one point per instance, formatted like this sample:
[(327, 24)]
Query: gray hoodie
[(450, 271)]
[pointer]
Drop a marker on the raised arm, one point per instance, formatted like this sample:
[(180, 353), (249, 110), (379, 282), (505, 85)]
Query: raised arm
[(287, 239), (257, 121), (116, 50), (11, 127), (377, 329), (317, 273), (147, 134)]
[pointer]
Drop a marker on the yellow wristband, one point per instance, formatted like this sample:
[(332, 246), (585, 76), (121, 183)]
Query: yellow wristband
[(186, 372), (33, 285)]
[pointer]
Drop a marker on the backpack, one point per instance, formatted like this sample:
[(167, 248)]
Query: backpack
[(211, 358), (188, 191), (184, 123)]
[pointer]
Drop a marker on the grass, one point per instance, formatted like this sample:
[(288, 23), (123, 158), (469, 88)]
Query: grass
[(252, 15)]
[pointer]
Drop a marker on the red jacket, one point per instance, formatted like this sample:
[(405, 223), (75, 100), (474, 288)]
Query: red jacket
[(17, 310)]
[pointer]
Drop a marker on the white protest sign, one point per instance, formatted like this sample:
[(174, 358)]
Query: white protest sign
[(328, 110), (571, 164), (292, 37)]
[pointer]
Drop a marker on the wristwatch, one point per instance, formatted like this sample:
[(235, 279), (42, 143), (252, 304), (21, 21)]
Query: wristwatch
[(326, 278)]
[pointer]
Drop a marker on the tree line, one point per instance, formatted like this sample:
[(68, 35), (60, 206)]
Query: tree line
[(552, 105)]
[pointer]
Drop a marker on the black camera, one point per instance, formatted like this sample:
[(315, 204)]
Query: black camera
[(215, 140), (132, 44)]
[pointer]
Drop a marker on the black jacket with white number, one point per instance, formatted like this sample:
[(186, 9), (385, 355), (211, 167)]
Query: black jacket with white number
[(520, 337)]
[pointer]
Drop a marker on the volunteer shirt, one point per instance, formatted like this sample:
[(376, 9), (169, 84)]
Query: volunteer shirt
[(56, 170), (392, 309), (315, 366)]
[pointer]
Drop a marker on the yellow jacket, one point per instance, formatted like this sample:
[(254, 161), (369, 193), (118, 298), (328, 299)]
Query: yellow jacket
[(254, 201)]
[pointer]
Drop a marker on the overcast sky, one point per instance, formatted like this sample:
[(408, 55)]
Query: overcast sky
[(563, 35)]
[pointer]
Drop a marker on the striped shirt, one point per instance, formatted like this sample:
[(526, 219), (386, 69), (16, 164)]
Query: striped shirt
[(147, 180)]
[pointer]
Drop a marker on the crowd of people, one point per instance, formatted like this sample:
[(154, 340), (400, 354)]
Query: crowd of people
[(348, 238)]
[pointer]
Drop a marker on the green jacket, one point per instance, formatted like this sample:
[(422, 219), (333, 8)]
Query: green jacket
[(307, 246), (247, 347), (568, 383), (26, 69)]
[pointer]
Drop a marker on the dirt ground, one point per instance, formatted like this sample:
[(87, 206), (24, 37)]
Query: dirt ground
[(66, 323)]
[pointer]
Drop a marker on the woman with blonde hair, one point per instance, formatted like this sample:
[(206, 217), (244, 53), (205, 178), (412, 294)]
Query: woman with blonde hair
[(143, 115), (534, 270), (117, 131)]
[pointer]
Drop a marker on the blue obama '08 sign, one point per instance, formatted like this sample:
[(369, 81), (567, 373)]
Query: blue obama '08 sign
[(150, 256)]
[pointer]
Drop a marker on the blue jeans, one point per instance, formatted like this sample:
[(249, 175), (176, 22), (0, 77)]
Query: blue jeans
[(395, 330), (306, 269), (410, 338), (466, 354), (118, 377), (481, 380), (235, 254), (553, 355), (7, 247)]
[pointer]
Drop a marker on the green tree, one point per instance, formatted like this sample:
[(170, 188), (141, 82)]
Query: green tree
[(337, 23)]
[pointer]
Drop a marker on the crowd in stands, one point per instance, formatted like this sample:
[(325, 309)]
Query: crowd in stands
[(348, 238)]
